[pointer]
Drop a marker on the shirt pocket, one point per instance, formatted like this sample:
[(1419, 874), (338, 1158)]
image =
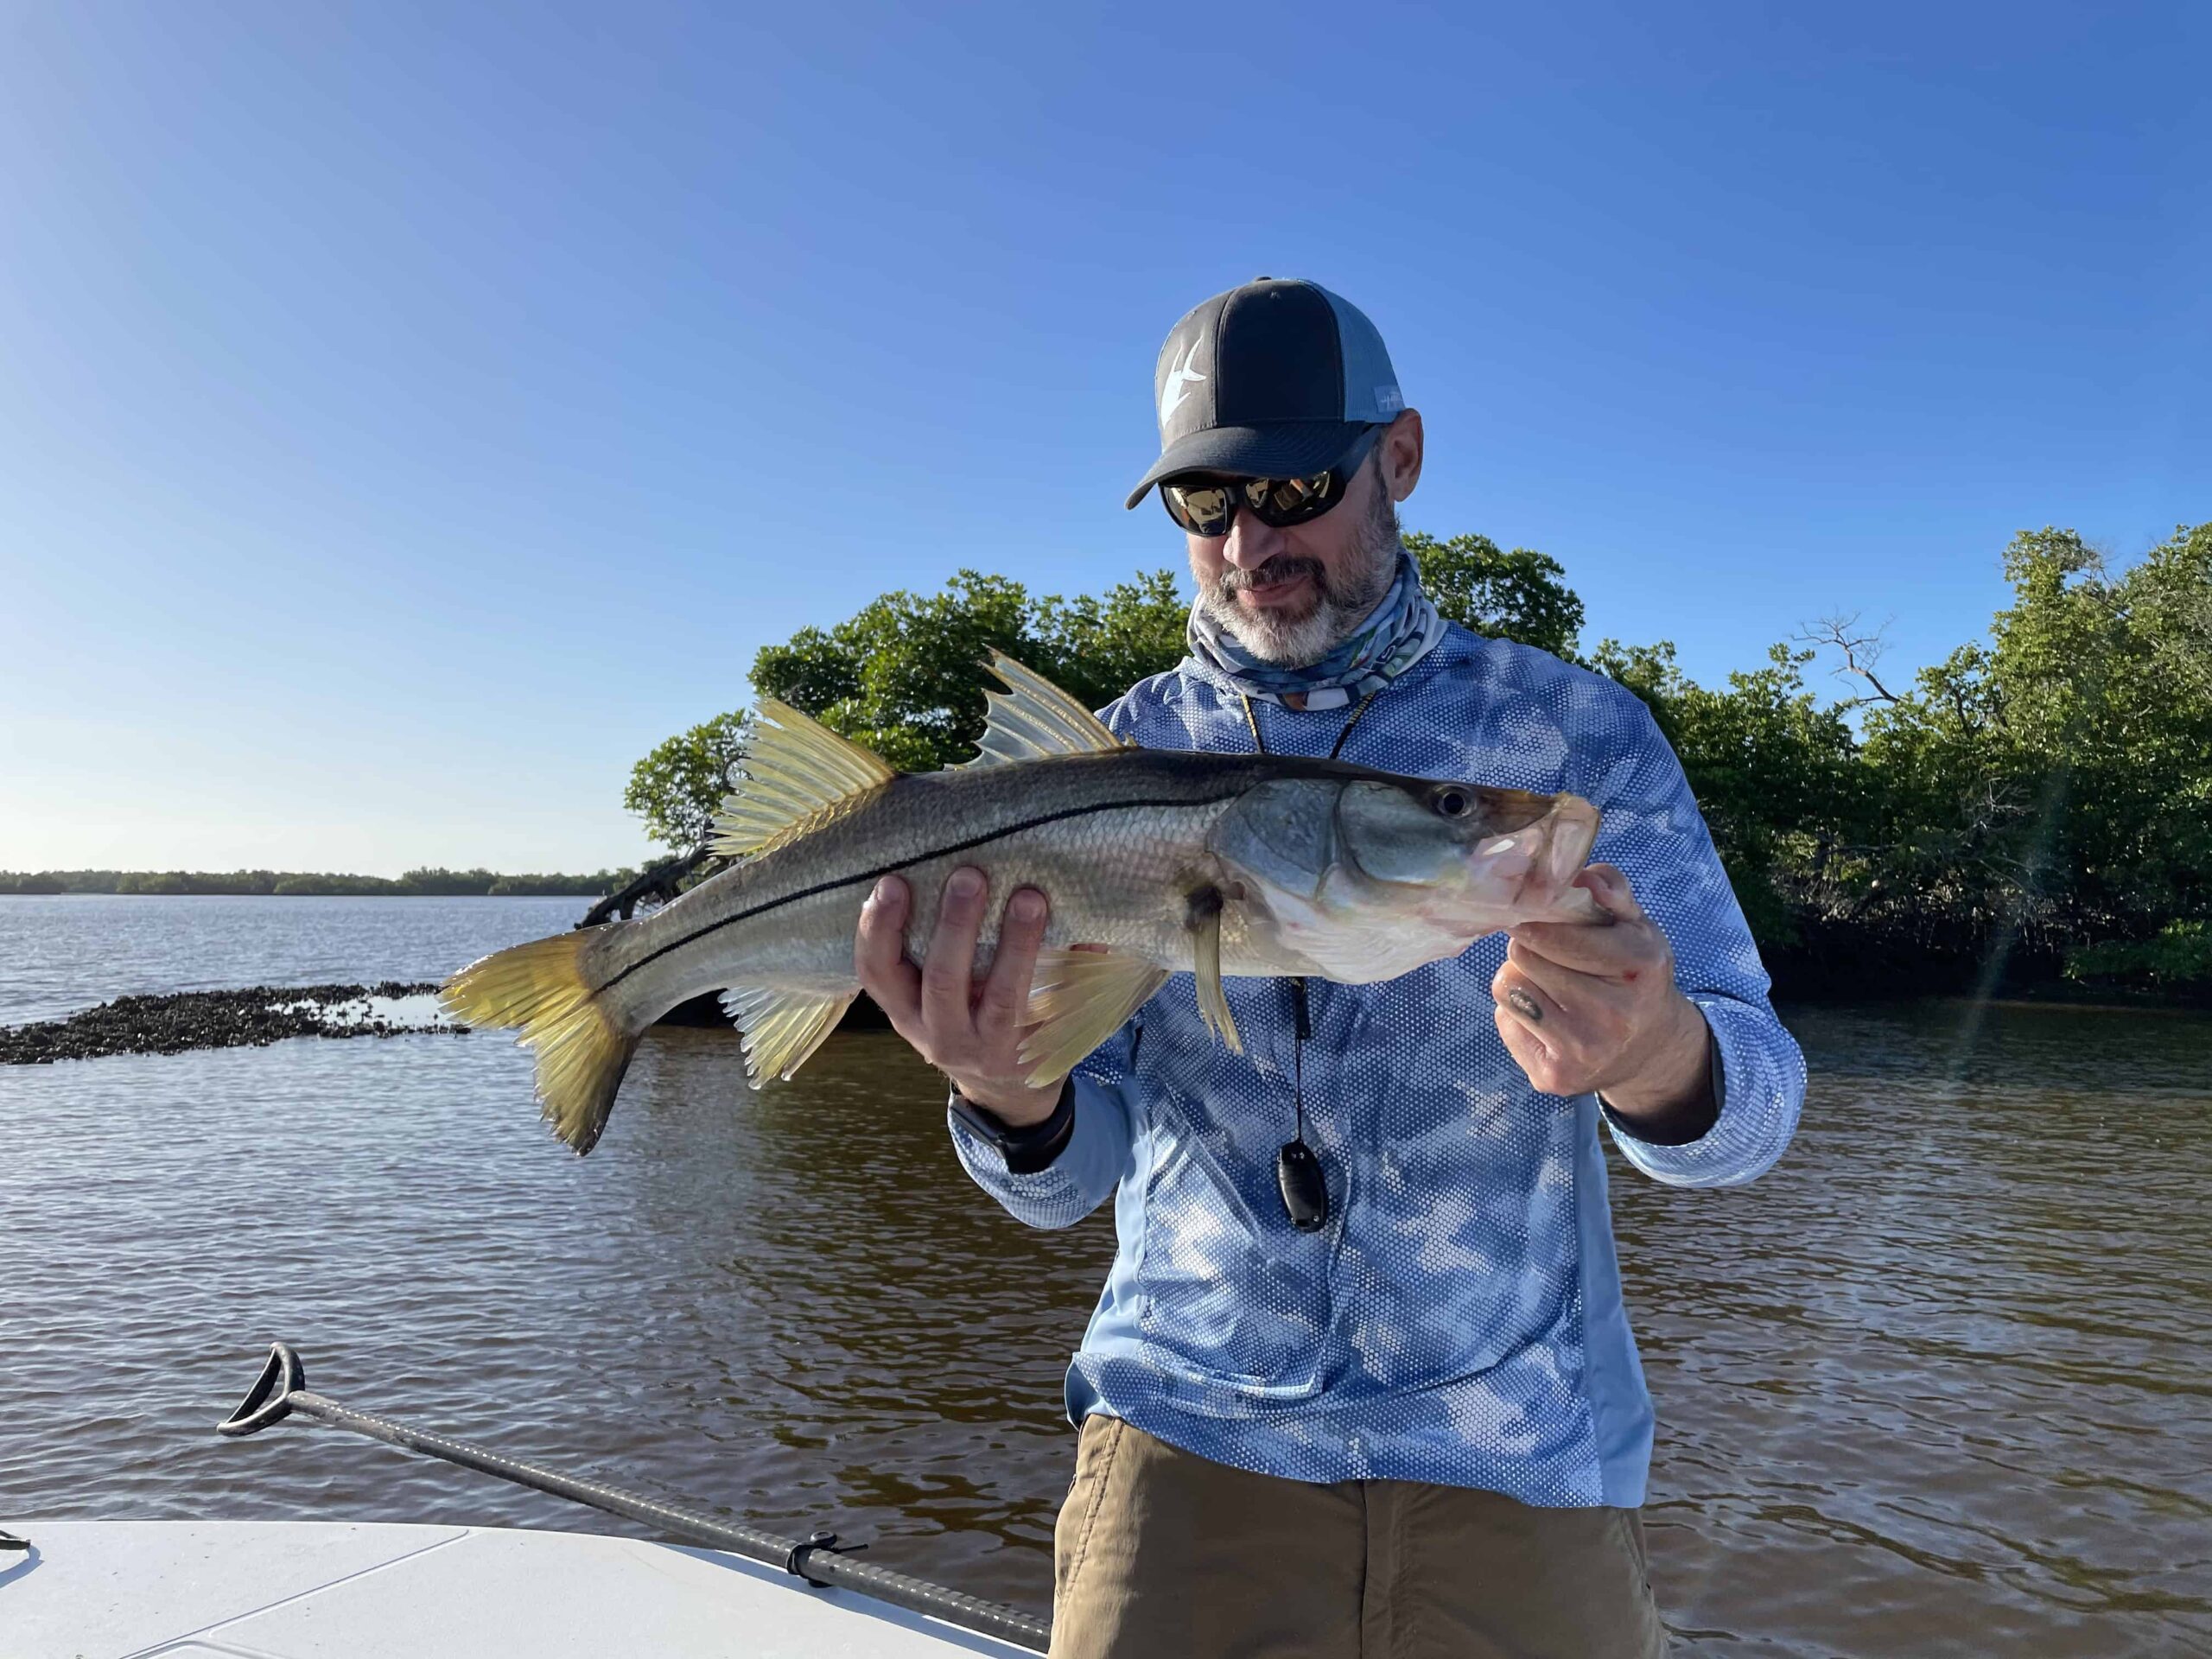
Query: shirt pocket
[(1229, 1291)]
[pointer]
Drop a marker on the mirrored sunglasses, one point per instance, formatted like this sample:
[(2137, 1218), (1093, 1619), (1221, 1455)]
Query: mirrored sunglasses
[(1206, 506)]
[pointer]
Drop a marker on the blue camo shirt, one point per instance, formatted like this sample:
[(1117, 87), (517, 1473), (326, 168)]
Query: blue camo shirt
[(1458, 1319)]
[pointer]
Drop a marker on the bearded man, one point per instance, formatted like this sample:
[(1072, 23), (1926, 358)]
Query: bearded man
[(1361, 1381)]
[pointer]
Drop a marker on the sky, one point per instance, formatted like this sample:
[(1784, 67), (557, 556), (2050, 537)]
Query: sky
[(410, 416)]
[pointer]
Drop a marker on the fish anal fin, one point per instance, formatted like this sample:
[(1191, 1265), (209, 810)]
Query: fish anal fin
[(782, 1027), (1078, 999), (797, 772), (1202, 915), (1033, 719)]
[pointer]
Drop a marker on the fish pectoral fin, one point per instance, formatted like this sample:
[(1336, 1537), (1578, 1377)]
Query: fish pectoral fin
[(1078, 999), (1033, 719), (1202, 915), (781, 1027), (798, 771)]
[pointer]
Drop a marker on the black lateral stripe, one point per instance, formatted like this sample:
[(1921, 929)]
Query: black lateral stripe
[(887, 869)]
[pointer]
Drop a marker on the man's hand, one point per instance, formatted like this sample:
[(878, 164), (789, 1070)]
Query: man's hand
[(1584, 1008), (972, 1034)]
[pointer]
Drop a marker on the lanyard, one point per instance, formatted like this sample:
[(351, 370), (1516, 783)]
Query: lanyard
[(1336, 749), (1298, 1174)]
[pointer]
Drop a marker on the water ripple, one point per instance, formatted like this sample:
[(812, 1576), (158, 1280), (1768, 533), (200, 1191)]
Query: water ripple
[(1936, 1386)]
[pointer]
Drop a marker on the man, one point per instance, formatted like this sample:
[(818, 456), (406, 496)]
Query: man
[(1388, 1403)]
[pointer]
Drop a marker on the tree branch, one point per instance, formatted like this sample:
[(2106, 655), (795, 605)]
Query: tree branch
[(661, 883), (1861, 652)]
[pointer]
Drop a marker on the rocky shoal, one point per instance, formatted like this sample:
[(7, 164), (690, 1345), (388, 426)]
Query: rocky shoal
[(180, 1021)]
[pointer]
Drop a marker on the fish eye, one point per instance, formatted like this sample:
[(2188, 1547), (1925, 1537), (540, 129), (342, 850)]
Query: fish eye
[(1451, 803)]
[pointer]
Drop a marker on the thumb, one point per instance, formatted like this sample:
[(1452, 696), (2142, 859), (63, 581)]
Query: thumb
[(1605, 883)]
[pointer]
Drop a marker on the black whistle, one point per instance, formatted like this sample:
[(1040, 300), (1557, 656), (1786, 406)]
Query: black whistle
[(1305, 1192)]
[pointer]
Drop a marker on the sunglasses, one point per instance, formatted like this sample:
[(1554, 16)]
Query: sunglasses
[(1205, 506)]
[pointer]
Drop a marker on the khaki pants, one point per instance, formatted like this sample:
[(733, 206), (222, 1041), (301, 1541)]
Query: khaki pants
[(1160, 1555)]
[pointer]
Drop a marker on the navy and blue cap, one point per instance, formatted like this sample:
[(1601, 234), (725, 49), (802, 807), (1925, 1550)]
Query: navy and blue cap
[(1274, 380)]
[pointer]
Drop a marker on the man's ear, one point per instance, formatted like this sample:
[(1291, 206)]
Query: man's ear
[(1399, 454)]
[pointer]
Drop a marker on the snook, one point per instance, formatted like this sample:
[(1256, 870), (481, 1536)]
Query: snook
[(1210, 864)]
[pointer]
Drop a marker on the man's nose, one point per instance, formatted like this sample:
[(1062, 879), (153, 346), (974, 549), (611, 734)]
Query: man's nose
[(1250, 544)]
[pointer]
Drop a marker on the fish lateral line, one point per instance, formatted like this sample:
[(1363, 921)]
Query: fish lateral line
[(831, 886)]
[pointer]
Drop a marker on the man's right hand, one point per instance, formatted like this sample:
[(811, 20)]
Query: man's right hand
[(973, 1037)]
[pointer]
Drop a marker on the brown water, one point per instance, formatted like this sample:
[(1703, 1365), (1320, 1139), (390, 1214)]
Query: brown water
[(1936, 1386)]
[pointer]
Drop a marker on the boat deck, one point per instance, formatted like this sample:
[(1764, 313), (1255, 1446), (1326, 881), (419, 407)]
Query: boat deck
[(331, 1590)]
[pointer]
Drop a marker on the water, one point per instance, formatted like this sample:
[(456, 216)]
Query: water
[(63, 954), (1938, 1385)]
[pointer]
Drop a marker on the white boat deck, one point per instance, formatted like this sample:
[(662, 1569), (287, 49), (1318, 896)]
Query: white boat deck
[(329, 1590)]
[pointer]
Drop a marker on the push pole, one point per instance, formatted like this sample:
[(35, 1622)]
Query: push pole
[(281, 1391)]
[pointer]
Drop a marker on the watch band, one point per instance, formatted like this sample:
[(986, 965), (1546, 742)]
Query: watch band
[(1031, 1148)]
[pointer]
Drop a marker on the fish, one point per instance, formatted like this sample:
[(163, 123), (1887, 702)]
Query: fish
[(1152, 861)]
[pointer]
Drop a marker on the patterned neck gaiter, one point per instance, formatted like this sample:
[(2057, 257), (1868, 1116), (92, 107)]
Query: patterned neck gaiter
[(1399, 631)]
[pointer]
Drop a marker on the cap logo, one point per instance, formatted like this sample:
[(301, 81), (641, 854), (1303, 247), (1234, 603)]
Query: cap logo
[(1181, 378)]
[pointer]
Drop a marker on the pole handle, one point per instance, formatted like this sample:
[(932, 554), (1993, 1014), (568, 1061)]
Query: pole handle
[(269, 1399), (823, 1560)]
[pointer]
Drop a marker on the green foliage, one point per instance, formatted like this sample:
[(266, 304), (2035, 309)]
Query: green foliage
[(331, 887), (904, 675), (2048, 788), (1776, 773), (2046, 791), (677, 788), (2058, 782), (1519, 595), (1096, 649), (2180, 956)]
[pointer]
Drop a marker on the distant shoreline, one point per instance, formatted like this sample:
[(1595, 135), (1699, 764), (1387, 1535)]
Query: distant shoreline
[(429, 883), (582, 892)]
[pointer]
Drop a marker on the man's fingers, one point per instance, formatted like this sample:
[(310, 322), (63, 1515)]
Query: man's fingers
[(1006, 993), (880, 953), (1562, 983), (1612, 951), (1527, 1048), (1530, 1002), (947, 976), (1609, 886)]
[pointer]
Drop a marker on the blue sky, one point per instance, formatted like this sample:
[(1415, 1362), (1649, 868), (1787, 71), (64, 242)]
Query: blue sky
[(410, 415)]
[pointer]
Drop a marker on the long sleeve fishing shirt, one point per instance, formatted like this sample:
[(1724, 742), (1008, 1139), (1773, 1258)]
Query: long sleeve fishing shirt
[(1459, 1318)]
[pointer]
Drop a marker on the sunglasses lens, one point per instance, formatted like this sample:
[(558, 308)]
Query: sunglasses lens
[(1202, 509), (1281, 501), (1205, 509)]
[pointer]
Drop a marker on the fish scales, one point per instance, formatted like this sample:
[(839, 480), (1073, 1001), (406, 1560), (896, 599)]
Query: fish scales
[(1106, 835), (1157, 861)]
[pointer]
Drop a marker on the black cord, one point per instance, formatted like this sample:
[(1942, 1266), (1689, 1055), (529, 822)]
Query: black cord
[(1299, 1173)]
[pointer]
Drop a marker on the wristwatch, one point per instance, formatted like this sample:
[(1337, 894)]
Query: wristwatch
[(1029, 1149)]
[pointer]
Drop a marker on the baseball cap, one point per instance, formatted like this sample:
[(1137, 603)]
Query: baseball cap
[(1274, 380)]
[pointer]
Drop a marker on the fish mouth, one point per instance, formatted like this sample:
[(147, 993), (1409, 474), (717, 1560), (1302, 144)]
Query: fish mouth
[(1508, 811), (1537, 857), (1575, 835)]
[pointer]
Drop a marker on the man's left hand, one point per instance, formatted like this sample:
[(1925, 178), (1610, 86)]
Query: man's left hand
[(1583, 1008)]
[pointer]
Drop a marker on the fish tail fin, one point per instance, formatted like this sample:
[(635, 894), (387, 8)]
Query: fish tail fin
[(581, 1045)]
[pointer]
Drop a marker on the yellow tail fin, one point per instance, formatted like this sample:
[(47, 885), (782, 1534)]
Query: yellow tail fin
[(582, 1049)]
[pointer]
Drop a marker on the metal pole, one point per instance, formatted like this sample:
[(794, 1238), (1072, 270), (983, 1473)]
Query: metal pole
[(281, 1392)]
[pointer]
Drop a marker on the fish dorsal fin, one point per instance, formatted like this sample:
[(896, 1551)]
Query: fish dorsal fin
[(797, 772), (1033, 719), (782, 1027), (1078, 999)]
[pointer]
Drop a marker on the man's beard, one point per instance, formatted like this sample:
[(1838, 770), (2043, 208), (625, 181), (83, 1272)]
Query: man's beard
[(1338, 606)]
